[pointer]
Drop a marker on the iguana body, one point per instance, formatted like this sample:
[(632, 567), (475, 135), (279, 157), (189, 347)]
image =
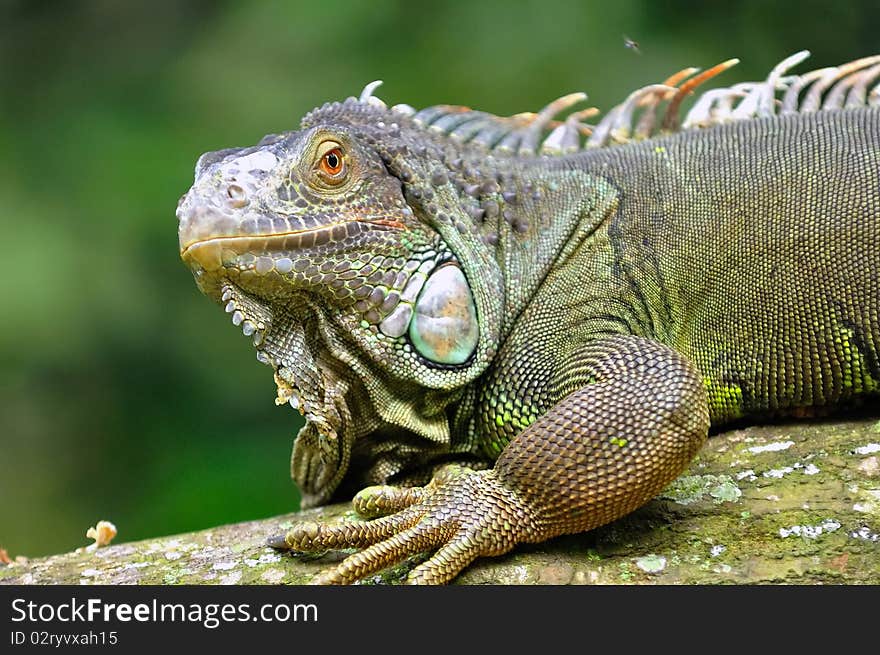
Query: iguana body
[(450, 287)]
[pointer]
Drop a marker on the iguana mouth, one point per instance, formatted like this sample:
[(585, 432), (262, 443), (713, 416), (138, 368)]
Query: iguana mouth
[(215, 252)]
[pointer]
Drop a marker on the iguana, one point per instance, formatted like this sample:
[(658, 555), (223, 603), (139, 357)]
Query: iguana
[(442, 289)]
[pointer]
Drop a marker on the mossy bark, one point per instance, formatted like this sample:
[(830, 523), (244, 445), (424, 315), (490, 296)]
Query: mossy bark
[(793, 503)]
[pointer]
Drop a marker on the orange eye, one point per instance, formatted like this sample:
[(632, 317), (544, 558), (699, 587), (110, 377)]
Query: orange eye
[(332, 162)]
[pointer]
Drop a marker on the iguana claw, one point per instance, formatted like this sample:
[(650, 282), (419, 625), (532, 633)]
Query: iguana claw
[(277, 541), (463, 518)]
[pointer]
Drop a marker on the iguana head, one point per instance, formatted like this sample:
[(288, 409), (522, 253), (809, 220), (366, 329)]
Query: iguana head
[(343, 249)]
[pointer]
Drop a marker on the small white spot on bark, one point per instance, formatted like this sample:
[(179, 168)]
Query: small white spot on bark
[(870, 466), (651, 563), (136, 565), (273, 576), (223, 566), (231, 578), (865, 533), (778, 473), (809, 531), (772, 447), (868, 449)]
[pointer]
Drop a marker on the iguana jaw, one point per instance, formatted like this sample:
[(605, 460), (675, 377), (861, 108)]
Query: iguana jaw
[(224, 250), (272, 266)]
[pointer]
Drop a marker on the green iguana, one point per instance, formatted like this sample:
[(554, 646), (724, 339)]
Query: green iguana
[(440, 289)]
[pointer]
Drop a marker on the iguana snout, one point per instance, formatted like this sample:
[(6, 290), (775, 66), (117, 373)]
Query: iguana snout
[(217, 210)]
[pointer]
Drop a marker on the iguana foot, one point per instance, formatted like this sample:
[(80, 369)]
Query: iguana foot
[(465, 516)]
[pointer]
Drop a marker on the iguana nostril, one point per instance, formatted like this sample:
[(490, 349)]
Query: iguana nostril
[(237, 196)]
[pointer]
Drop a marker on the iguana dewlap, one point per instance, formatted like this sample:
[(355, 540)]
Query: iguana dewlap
[(442, 289)]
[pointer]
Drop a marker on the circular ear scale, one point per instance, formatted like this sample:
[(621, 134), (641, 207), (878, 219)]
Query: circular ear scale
[(444, 327)]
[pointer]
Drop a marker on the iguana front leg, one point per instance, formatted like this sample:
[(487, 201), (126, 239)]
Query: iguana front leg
[(603, 450)]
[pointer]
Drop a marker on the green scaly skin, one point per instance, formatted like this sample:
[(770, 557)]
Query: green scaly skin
[(598, 310)]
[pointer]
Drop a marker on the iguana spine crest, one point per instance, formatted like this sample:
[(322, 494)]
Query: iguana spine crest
[(551, 132)]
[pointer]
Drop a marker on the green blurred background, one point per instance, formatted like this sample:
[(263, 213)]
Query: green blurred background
[(124, 393)]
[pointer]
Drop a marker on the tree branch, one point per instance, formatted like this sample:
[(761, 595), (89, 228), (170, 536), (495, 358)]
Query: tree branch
[(790, 503)]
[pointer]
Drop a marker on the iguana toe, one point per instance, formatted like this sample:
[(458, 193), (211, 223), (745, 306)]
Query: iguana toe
[(381, 500), (314, 536)]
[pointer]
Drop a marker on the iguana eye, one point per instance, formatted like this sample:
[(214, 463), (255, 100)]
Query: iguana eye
[(332, 163)]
